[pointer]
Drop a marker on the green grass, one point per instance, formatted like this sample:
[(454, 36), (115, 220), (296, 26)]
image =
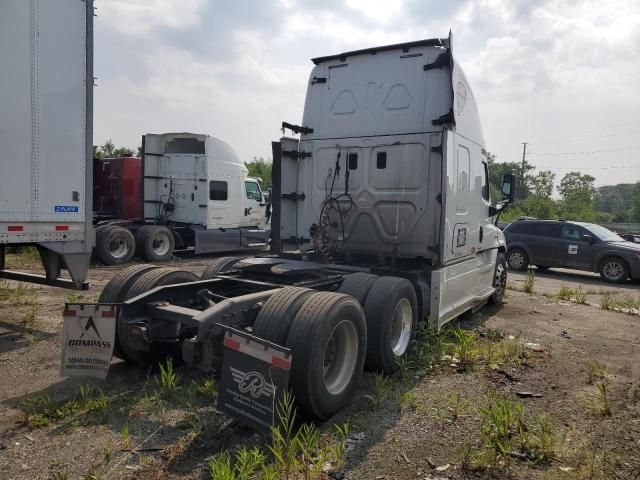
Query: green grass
[(595, 371), (169, 380), (41, 410), (465, 347), (529, 282), (600, 400)]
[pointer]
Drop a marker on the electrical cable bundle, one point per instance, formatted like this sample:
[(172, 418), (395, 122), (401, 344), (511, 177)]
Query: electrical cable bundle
[(331, 203)]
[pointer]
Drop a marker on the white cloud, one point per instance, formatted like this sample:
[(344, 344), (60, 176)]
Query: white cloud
[(539, 69), (138, 17)]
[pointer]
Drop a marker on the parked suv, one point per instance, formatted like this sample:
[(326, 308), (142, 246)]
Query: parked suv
[(582, 246)]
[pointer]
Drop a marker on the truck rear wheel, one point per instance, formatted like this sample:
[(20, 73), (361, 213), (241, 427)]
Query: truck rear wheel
[(391, 310), (114, 245), (328, 340), (157, 243), (116, 290), (274, 318), (219, 265), (358, 285), (499, 280), (143, 283)]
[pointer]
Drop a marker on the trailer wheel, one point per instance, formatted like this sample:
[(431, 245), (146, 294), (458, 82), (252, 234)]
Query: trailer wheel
[(219, 265), (115, 292), (499, 280), (157, 243), (328, 339), (274, 318), (145, 282), (114, 245), (391, 310), (358, 285)]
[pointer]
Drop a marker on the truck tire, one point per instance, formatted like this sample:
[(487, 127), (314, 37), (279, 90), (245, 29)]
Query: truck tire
[(157, 243), (518, 259), (219, 265), (358, 285), (139, 235), (143, 283), (614, 270), (274, 318), (115, 292), (328, 340), (391, 310), (114, 245), (499, 280)]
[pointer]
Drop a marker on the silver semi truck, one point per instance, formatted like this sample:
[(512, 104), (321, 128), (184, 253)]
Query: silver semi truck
[(382, 219)]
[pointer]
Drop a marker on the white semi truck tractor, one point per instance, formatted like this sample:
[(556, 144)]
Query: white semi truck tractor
[(382, 219)]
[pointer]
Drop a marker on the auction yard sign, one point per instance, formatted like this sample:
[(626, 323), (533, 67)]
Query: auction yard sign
[(89, 337)]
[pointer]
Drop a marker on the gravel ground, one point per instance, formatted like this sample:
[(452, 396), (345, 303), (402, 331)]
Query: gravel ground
[(405, 431)]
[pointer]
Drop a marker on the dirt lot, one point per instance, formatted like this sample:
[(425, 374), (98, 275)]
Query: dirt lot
[(562, 377)]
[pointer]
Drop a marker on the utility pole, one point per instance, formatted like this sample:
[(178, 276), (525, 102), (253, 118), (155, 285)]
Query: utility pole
[(522, 181)]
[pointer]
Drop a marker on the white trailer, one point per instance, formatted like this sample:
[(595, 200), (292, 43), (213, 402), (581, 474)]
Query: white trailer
[(196, 194), (46, 83), (382, 219)]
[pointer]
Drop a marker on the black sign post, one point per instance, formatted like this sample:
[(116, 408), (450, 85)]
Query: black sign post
[(255, 374)]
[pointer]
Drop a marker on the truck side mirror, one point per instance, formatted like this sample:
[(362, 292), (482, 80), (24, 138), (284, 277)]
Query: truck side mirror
[(508, 188)]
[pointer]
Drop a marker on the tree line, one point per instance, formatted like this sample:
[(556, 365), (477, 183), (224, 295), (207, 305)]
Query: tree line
[(579, 199)]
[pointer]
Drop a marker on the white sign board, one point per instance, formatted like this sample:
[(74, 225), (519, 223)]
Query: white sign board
[(89, 337)]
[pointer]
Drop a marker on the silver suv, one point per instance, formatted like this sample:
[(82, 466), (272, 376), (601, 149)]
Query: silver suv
[(582, 246)]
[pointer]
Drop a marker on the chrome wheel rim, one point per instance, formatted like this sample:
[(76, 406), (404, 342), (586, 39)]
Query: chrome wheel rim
[(340, 357), (516, 260), (160, 244), (401, 327), (118, 247), (613, 270)]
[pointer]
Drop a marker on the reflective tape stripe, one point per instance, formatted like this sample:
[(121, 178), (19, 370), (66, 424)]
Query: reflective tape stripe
[(15, 228), (62, 228)]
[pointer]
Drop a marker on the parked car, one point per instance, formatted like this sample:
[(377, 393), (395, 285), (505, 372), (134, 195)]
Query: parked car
[(630, 237), (582, 246)]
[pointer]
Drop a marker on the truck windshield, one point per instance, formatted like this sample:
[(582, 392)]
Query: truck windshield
[(604, 234)]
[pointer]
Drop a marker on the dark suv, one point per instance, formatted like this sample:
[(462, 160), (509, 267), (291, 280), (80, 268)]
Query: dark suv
[(583, 246)]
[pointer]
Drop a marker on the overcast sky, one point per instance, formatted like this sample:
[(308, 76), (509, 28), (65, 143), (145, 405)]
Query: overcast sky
[(561, 75)]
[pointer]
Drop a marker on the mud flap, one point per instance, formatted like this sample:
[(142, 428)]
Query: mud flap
[(89, 338), (255, 374)]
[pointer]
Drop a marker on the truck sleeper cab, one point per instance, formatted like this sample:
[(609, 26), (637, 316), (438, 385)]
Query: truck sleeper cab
[(381, 219), (189, 191)]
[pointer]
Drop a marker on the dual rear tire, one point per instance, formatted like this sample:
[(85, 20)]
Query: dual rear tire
[(129, 283), (333, 339), (116, 244)]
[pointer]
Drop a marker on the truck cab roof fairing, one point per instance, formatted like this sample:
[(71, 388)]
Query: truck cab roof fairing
[(421, 89)]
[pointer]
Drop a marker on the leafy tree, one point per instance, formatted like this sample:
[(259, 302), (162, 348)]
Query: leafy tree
[(578, 197), (542, 183), (260, 168), (498, 170), (109, 150), (635, 209)]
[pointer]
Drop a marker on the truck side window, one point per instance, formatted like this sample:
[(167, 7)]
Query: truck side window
[(381, 160), (252, 190), (218, 190), (485, 182), (353, 161)]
